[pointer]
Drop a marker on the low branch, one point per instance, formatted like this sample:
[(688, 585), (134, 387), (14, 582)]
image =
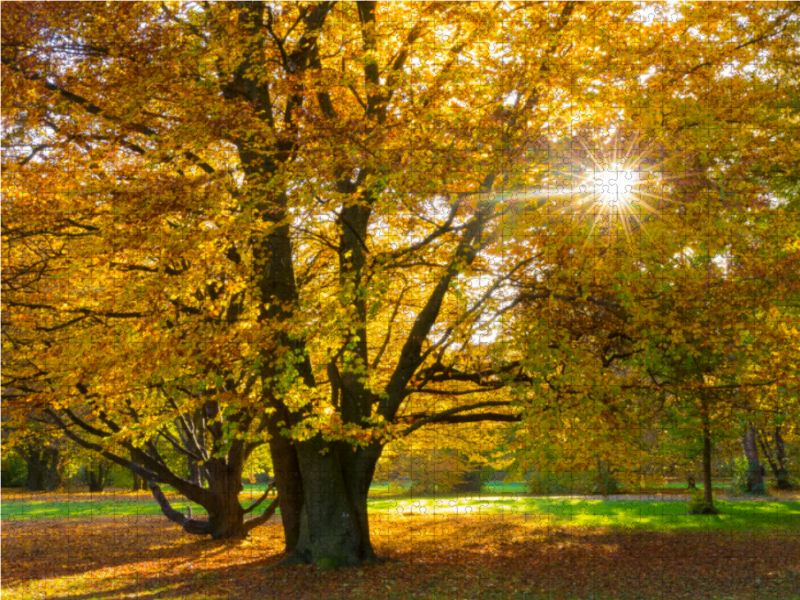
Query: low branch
[(263, 517), (128, 464), (189, 525), (260, 500)]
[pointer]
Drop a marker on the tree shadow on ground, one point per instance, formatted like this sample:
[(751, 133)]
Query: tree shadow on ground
[(445, 556)]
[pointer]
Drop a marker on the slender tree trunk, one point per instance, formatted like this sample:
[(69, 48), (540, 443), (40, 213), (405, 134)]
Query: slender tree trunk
[(195, 473), (776, 459), (782, 475), (139, 482), (755, 481), (55, 475), (708, 492)]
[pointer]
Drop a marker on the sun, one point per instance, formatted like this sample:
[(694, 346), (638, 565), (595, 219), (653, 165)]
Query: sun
[(613, 185)]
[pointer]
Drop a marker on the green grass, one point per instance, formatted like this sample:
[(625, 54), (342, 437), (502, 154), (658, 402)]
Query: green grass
[(700, 486), (636, 514), (33, 509), (640, 514)]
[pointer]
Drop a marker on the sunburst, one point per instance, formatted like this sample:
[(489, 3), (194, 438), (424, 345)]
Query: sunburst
[(616, 185)]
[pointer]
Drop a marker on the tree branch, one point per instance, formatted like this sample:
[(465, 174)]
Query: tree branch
[(260, 500), (189, 525), (449, 416)]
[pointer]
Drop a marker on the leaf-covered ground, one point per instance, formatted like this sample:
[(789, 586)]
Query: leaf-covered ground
[(446, 556)]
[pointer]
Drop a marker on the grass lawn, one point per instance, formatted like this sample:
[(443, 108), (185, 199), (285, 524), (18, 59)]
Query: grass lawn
[(639, 514)]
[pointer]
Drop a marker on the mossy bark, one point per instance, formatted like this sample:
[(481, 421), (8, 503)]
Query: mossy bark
[(334, 525)]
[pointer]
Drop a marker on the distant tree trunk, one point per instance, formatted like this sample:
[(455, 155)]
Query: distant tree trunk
[(776, 459), (44, 468), (604, 472), (470, 483), (96, 476), (55, 474), (195, 472), (690, 481), (139, 482), (37, 470), (783, 470), (755, 480), (708, 493)]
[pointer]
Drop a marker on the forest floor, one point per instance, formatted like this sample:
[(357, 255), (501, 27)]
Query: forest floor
[(446, 556)]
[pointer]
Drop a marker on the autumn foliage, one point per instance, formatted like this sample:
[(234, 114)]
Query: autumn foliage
[(324, 228)]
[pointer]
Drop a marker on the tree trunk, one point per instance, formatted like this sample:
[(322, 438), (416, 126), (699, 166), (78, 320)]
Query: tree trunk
[(288, 481), (471, 482), (44, 468), (195, 472), (708, 492), (603, 478), (37, 470), (55, 475), (755, 481), (226, 516), (334, 526), (782, 476), (225, 513), (777, 459), (139, 482), (97, 476)]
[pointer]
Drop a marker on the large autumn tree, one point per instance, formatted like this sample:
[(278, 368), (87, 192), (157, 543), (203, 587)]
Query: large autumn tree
[(295, 224)]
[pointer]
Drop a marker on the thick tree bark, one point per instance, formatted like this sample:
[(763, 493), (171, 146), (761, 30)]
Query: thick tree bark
[(226, 516), (55, 473), (288, 481), (755, 480), (334, 525)]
